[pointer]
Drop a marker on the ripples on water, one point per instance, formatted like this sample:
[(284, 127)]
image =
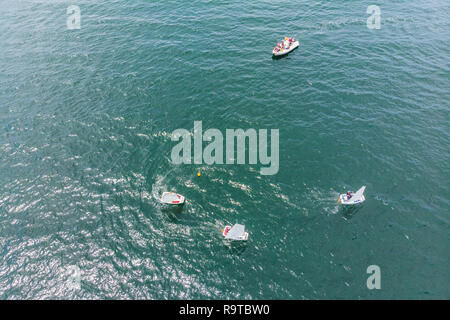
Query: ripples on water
[(85, 149)]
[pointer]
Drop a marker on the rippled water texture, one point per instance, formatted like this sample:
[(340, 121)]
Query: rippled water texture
[(86, 120)]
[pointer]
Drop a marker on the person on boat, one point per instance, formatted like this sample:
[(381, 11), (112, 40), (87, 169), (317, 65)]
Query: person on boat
[(349, 195), (290, 40)]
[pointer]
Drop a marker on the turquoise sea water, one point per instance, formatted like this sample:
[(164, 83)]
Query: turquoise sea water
[(86, 118)]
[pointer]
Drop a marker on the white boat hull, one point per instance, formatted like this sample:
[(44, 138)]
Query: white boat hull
[(343, 199), (172, 198), (357, 197), (283, 52), (227, 228)]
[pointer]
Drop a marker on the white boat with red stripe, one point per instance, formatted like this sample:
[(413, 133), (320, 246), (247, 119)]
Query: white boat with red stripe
[(172, 198)]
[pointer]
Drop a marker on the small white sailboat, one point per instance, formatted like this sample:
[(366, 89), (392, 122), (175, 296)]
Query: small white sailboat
[(172, 198), (235, 233), (288, 47), (354, 198)]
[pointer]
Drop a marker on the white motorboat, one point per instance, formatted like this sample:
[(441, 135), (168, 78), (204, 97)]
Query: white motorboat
[(277, 51)]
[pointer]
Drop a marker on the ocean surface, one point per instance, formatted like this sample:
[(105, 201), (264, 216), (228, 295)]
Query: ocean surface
[(86, 118)]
